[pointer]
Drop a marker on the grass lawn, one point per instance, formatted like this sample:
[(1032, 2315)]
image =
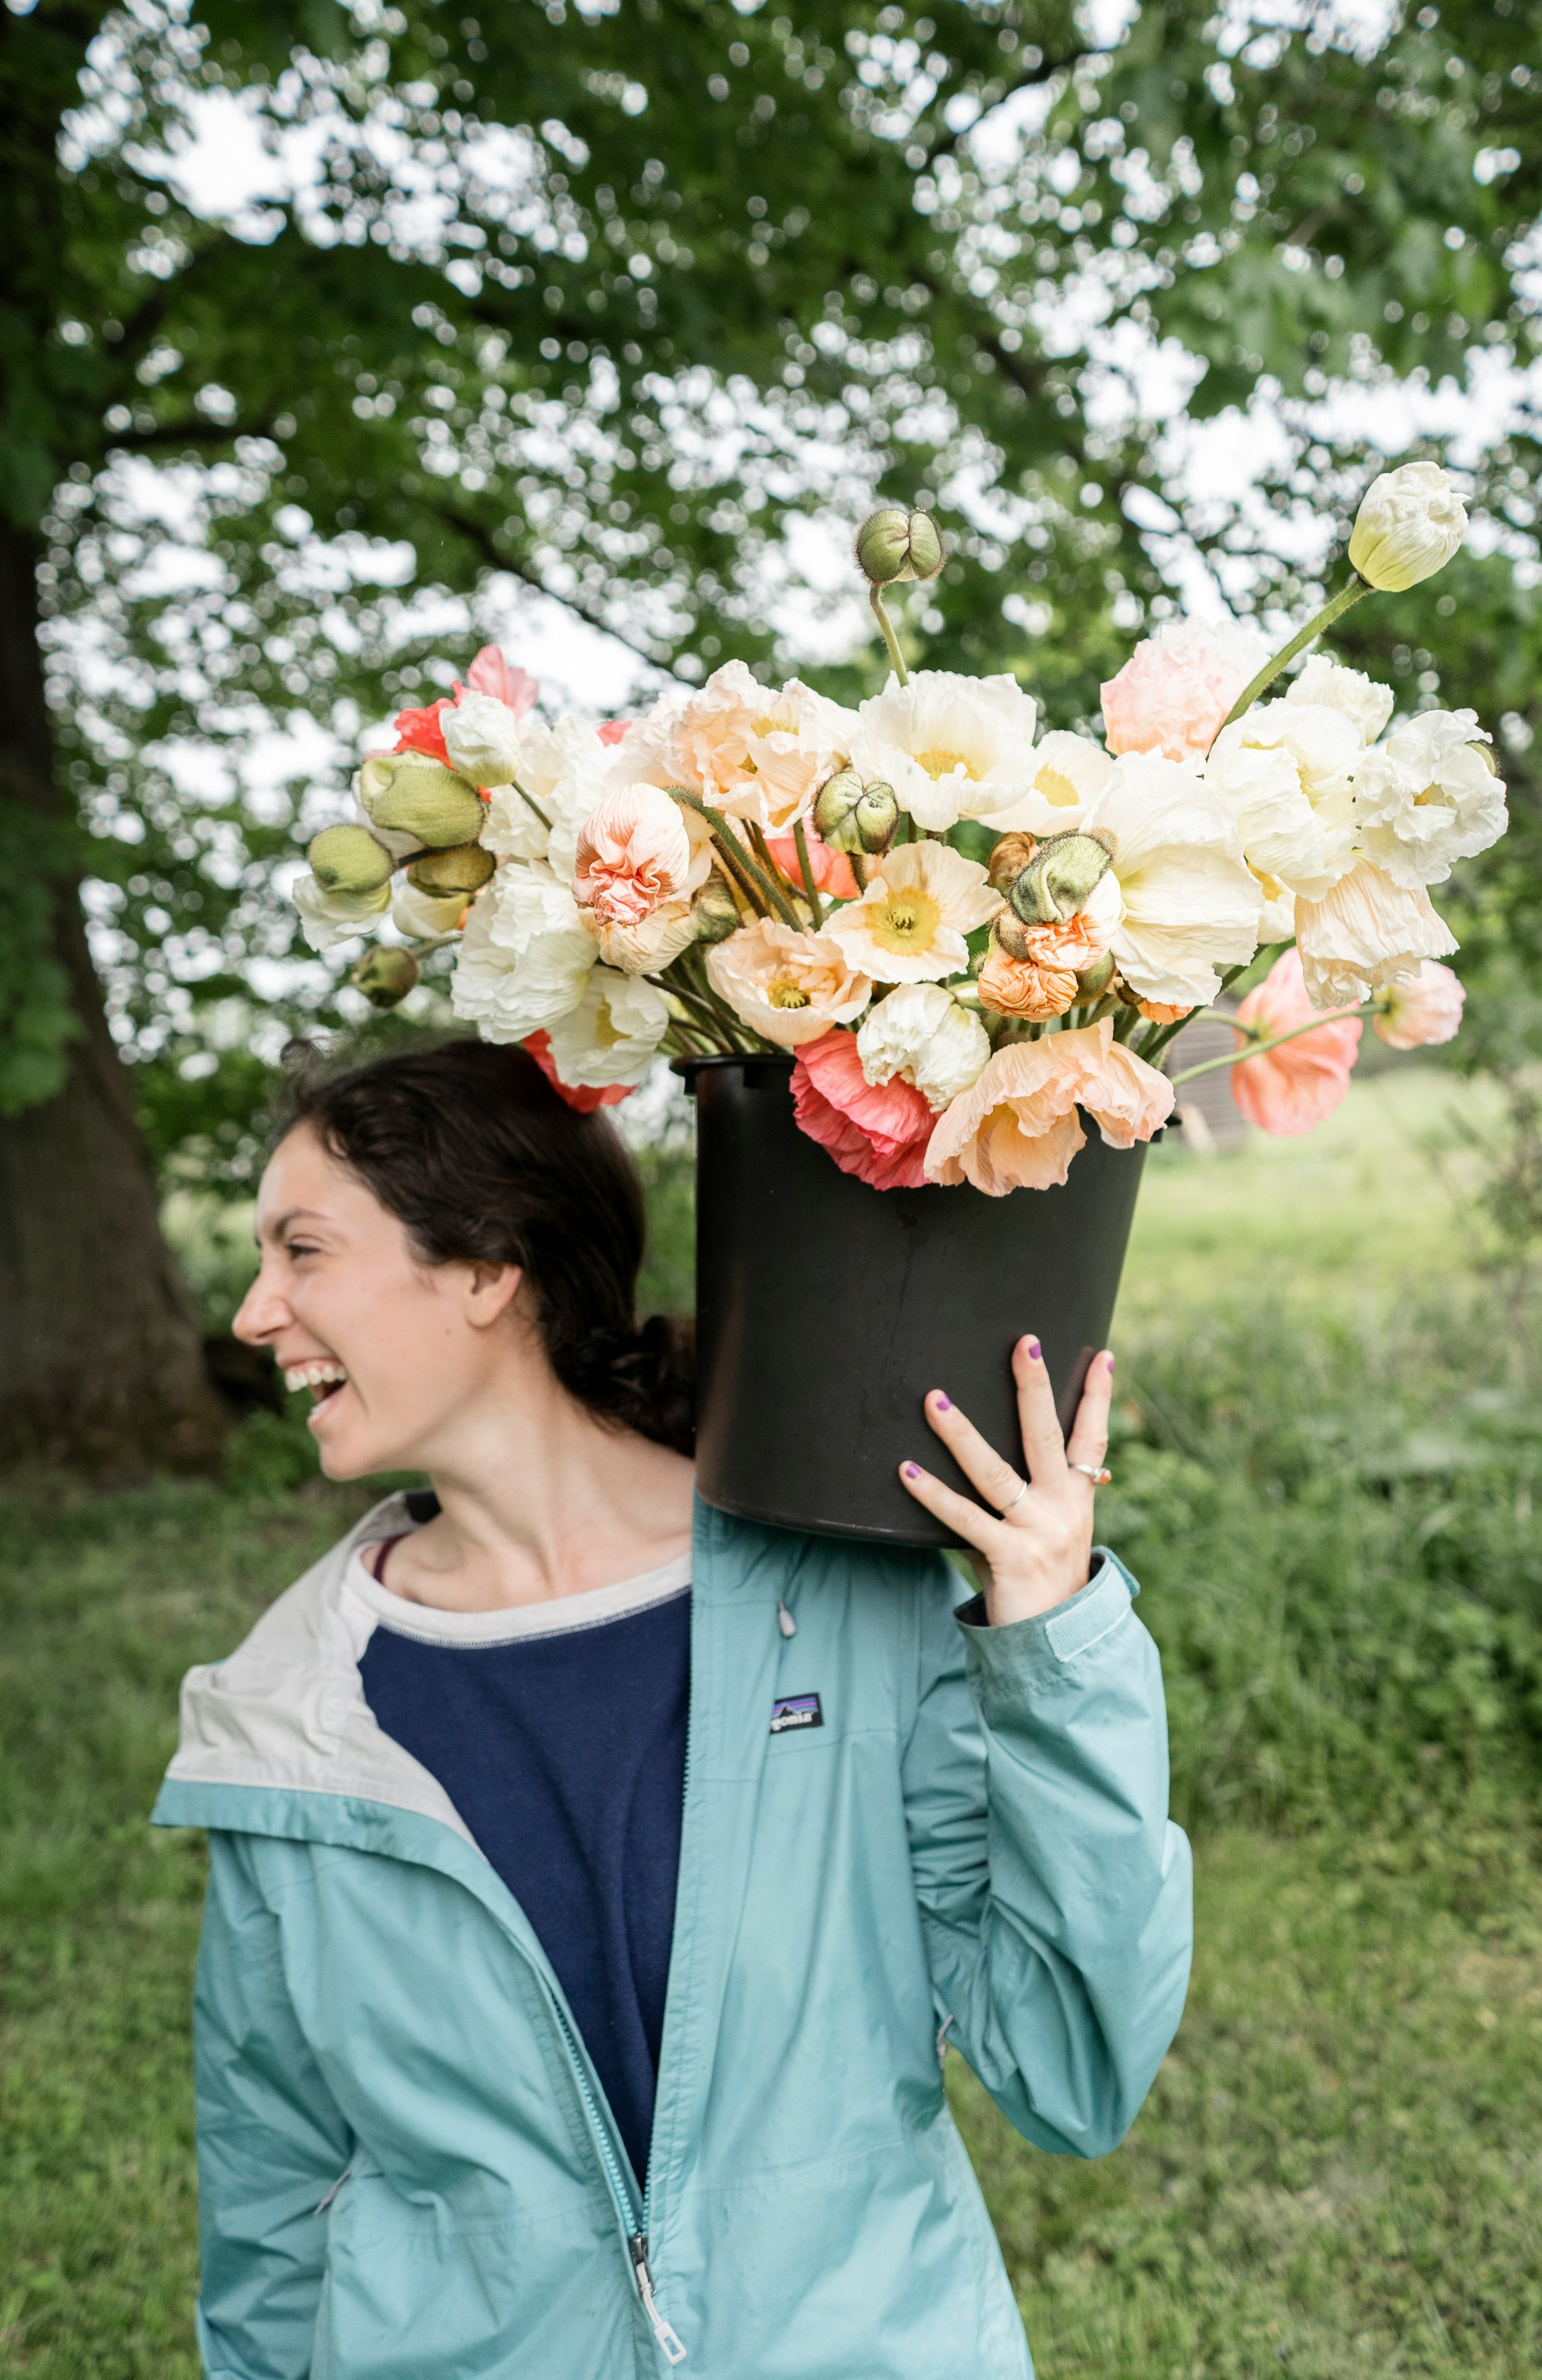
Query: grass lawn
[(1337, 2171)]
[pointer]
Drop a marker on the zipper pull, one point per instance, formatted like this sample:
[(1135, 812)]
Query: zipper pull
[(669, 2345), (332, 2193), (784, 1620)]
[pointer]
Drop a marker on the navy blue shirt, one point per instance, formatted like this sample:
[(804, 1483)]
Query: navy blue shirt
[(558, 1730)]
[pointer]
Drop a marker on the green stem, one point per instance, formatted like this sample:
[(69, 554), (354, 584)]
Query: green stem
[(766, 894), (534, 805), (806, 867), (875, 597), (1240, 1057), (1315, 627)]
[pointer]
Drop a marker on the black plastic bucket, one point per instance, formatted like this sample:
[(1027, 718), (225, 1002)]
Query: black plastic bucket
[(826, 1310)]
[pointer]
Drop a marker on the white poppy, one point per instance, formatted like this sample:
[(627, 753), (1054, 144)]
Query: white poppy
[(1364, 932), (1428, 797), (909, 925), (611, 1035), (1068, 771), (1286, 773), (1191, 903), (525, 956), (565, 769), (920, 1033), (328, 918), (956, 748), (1365, 704), (420, 915), (481, 736)]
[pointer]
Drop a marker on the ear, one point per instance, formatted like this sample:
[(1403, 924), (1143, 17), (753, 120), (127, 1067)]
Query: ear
[(490, 1290)]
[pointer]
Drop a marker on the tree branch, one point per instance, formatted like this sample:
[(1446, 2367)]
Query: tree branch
[(477, 534)]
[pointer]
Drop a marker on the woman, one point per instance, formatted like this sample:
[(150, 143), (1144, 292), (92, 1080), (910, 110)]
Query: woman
[(596, 1880)]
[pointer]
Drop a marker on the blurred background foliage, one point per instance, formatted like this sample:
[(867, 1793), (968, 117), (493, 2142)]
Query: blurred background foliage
[(639, 307)]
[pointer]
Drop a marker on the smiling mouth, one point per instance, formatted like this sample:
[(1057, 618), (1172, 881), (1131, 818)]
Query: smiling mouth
[(324, 1379)]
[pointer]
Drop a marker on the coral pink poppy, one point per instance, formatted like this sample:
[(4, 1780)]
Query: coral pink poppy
[(1016, 1128), (423, 731), (490, 674), (611, 731), (585, 1097), (878, 1132), (633, 856), (1291, 1089), (831, 870)]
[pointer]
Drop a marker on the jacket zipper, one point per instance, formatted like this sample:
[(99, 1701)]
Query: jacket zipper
[(669, 2342)]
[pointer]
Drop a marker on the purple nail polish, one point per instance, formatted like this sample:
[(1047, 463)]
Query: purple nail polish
[(912, 1470), (1035, 1350), (944, 1402), (1111, 1362)]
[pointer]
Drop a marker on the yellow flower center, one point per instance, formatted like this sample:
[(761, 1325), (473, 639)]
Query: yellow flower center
[(784, 993), (905, 922), (604, 1027), (1056, 787), (938, 763)]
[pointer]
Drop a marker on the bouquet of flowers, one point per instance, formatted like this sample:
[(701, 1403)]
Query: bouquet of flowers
[(969, 935)]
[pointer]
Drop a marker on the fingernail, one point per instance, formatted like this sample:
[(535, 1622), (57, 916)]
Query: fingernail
[(944, 1402), (1035, 1350), (1110, 1361), (911, 1470)]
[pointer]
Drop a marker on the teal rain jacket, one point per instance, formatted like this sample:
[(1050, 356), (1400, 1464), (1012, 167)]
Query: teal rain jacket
[(407, 2164)]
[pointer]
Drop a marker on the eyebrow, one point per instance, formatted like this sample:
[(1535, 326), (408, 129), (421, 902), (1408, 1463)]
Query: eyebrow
[(282, 1223)]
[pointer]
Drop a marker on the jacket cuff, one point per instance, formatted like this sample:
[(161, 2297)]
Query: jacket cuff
[(1022, 1652)]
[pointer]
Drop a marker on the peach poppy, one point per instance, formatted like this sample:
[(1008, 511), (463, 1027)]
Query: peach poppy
[(633, 856), (1291, 1090), (1178, 686), (1017, 1128), (876, 1131), (787, 986), (1419, 1010), (1023, 988)]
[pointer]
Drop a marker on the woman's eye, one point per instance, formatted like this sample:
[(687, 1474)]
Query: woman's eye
[(304, 1248)]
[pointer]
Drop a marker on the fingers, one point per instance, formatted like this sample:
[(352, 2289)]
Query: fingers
[(1042, 1442), (969, 1525), (975, 1456), (1089, 1431)]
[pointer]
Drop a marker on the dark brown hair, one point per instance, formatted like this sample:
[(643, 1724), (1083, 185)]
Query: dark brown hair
[(469, 1147)]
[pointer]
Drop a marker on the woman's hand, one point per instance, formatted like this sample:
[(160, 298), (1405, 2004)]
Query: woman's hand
[(1036, 1555)]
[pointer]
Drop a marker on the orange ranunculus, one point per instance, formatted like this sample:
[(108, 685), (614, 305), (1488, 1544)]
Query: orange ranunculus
[(1023, 988), (1291, 1090), (1017, 1128)]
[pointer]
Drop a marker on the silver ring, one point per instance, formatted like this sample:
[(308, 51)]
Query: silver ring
[(1093, 1471), (1016, 1502)]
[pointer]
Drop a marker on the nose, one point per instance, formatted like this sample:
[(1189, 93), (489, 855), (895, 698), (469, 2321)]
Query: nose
[(262, 1314)]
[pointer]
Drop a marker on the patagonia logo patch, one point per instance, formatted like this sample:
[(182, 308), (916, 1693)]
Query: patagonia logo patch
[(796, 1710)]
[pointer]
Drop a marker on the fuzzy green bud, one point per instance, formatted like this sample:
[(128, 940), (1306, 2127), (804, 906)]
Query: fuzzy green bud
[(835, 810), (408, 793), (385, 975), (348, 859), (715, 911), (876, 816), (893, 544), (1094, 980), (465, 868), (1060, 877)]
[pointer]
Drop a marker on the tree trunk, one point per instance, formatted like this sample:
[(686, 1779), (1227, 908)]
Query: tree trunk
[(100, 1361)]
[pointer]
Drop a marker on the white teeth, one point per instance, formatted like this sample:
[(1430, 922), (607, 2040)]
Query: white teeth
[(313, 1375)]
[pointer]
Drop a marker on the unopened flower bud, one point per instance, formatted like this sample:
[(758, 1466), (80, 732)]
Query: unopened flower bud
[(408, 793), (463, 869), (835, 810), (1410, 523), (1059, 879), (893, 544), (1094, 980), (348, 859), (715, 911), (876, 816), (1008, 860), (385, 975)]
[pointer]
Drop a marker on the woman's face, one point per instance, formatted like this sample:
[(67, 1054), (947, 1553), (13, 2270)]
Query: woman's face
[(391, 1348)]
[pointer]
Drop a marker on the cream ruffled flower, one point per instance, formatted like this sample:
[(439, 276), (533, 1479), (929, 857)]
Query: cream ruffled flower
[(1428, 797), (649, 945), (956, 748), (524, 957), (921, 1034), (481, 736), (1191, 903), (1365, 704), (328, 918), (1016, 1127), (566, 768), (612, 1034), (909, 925), (1287, 774), (788, 986), (747, 749), (1366, 932)]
